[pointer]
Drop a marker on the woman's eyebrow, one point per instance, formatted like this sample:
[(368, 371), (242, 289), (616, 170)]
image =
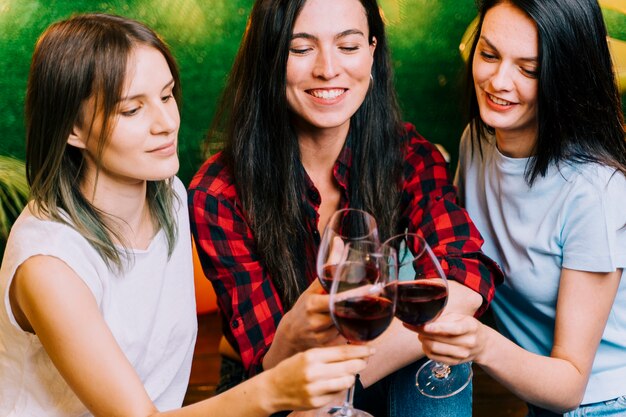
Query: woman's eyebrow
[(304, 35), (492, 46), (128, 98)]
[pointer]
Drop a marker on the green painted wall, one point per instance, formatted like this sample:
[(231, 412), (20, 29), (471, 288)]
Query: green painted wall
[(204, 35)]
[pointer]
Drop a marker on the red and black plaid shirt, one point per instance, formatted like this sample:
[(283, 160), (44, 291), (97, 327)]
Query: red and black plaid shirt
[(249, 304)]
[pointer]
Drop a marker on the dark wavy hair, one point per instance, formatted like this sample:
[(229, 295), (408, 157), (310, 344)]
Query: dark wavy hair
[(261, 147), (579, 109), (75, 59)]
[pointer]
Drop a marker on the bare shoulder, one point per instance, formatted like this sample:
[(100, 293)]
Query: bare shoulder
[(40, 283)]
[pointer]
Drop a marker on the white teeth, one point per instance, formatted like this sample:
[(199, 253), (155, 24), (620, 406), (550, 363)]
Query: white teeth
[(327, 94), (499, 101)]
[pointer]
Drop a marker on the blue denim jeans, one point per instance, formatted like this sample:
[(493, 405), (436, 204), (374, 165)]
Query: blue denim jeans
[(397, 396), (611, 408)]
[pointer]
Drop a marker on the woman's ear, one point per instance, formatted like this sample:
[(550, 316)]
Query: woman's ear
[(77, 138), (373, 45)]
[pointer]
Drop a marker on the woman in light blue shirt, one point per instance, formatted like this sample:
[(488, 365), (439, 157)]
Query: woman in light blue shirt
[(542, 174)]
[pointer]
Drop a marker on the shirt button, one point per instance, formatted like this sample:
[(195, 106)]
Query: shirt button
[(235, 324), (316, 236)]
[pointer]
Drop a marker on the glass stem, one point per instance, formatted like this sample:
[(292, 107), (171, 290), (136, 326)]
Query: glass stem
[(441, 370), (349, 397), (348, 408)]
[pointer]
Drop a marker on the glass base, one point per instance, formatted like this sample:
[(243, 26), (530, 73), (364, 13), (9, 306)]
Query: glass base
[(343, 411), (436, 380)]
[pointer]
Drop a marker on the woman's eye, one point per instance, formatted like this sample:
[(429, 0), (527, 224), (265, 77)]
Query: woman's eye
[(166, 98), (130, 112), (349, 48), (530, 73), (487, 56), (299, 50)]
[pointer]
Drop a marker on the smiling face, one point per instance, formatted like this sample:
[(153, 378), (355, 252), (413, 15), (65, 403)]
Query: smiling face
[(329, 65), (505, 68), (144, 134)]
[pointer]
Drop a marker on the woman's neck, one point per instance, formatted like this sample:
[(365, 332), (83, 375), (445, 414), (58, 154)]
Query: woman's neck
[(516, 144), (125, 207), (319, 151), (320, 148)]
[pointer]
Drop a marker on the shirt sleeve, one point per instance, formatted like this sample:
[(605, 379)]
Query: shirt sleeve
[(430, 209), (593, 234), (248, 301)]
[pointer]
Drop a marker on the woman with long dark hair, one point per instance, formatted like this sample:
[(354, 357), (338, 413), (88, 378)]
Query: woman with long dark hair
[(310, 124), (98, 310), (543, 174)]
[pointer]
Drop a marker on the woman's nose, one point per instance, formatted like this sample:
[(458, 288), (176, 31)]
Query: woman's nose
[(166, 117), (325, 65), (502, 78)]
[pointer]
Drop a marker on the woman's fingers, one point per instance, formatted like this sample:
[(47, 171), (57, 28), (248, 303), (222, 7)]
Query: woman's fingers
[(329, 387), (317, 303), (323, 364), (320, 322), (318, 374), (446, 352), (450, 325), (335, 250), (338, 353), (451, 339)]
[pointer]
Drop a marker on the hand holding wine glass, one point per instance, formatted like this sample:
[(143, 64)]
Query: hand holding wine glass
[(455, 338), (362, 300), (344, 226), (311, 378), (422, 296), (306, 325)]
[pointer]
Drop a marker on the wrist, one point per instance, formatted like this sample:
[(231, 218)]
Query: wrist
[(485, 335), (279, 350), (272, 403)]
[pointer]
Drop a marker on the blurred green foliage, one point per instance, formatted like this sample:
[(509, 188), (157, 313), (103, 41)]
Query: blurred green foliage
[(13, 195), (205, 34)]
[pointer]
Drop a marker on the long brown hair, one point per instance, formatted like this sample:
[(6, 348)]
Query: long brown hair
[(253, 120), (75, 59)]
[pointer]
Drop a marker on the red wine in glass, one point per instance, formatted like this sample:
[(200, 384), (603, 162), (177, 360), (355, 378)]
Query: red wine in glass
[(420, 301), (362, 300), (360, 319), (422, 295)]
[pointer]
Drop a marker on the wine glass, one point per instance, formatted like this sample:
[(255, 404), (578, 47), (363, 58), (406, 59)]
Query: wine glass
[(362, 300), (344, 226), (422, 295)]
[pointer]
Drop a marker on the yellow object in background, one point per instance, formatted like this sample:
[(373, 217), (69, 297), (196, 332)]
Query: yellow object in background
[(616, 46)]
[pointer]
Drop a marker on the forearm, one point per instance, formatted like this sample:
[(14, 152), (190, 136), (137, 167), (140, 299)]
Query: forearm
[(395, 348), (279, 350), (548, 382), (462, 299), (246, 399)]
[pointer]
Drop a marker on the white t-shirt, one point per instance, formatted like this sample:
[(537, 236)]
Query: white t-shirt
[(150, 311), (571, 218)]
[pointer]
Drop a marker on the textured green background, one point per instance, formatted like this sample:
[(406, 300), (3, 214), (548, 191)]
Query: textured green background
[(204, 36)]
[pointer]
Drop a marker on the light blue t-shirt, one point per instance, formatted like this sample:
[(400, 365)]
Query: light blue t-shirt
[(573, 218)]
